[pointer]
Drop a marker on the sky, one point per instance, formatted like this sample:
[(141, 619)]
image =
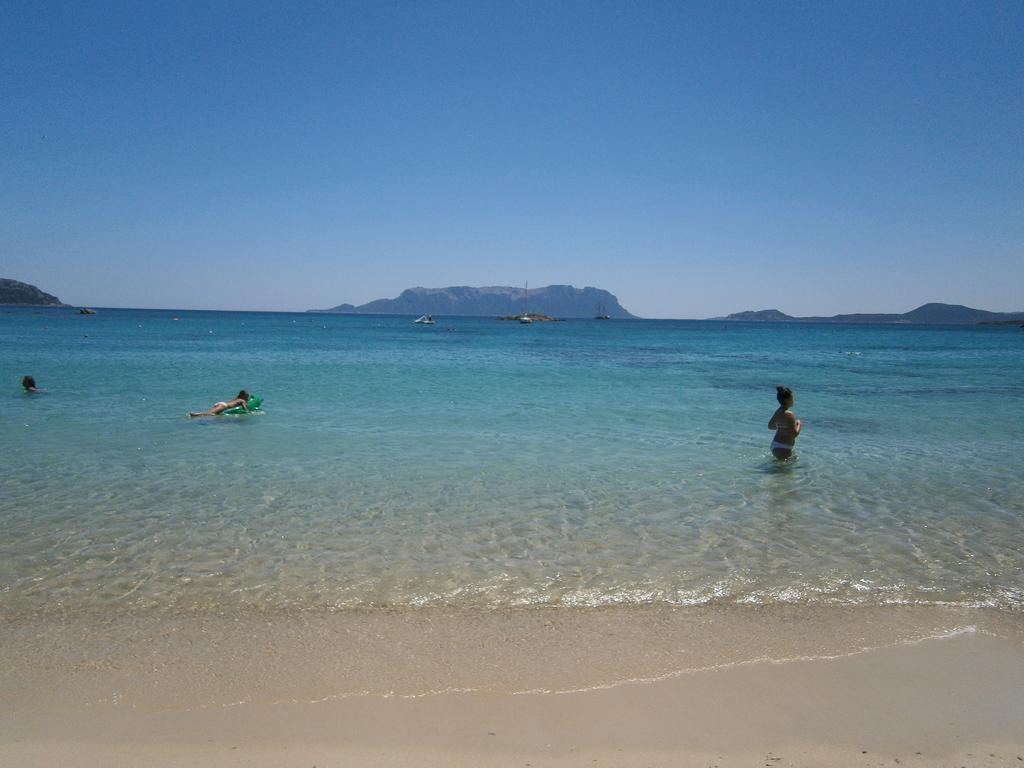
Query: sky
[(693, 158)]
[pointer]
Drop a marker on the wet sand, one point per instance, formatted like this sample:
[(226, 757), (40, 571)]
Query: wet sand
[(790, 687)]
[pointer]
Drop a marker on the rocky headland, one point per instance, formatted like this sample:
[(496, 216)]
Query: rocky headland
[(15, 293), (927, 314)]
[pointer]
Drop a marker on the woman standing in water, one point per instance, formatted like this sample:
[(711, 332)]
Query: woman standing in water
[(785, 424)]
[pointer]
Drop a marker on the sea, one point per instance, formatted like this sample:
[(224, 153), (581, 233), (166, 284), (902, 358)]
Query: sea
[(481, 464)]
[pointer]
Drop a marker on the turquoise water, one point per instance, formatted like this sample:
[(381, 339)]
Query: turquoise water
[(482, 463)]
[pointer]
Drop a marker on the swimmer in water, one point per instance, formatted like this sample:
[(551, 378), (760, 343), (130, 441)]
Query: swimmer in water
[(29, 384), (785, 424), (241, 400)]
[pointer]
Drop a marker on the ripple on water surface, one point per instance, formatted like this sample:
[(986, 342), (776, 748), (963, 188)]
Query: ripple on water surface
[(559, 466)]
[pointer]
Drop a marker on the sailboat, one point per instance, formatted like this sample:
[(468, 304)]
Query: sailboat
[(525, 318), (601, 314)]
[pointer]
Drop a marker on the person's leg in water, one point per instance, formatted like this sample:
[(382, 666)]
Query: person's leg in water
[(212, 412)]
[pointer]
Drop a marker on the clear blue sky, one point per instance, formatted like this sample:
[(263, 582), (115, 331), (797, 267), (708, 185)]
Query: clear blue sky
[(695, 159)]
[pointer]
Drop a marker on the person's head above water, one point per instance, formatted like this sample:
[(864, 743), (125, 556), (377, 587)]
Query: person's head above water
[(784, 395), (243, 395), (28, 382)]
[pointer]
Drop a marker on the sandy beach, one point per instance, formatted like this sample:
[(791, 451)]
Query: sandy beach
[(699, 687)]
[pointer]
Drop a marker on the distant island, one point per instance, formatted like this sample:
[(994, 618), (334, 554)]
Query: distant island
[(16, 293), (563, 301), (926, 314)]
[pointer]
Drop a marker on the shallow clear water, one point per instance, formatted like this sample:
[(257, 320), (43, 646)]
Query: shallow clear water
[(477, 462)]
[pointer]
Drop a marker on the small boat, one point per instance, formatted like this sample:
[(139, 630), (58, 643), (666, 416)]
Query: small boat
[(86, 311), (425, 320), (525, 318)]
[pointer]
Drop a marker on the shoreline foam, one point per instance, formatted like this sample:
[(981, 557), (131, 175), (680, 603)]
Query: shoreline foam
[(201, 660)]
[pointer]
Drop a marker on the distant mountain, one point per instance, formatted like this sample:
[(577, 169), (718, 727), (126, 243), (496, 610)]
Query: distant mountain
[(956, 313), (554, 300), (928, 314), (14, 292)]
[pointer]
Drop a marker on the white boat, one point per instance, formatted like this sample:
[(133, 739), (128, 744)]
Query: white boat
[(425, 320), (525, 318)]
